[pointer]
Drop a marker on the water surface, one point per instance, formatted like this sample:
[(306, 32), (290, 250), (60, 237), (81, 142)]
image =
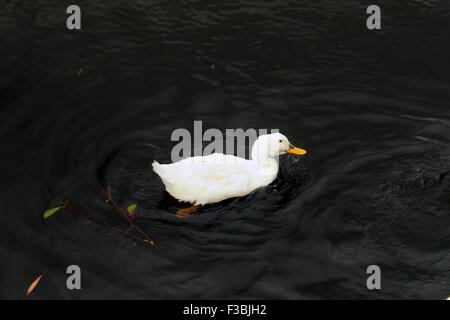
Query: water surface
[(86, 109)]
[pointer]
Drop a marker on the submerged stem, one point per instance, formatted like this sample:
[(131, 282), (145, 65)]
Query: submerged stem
[(145, 239)]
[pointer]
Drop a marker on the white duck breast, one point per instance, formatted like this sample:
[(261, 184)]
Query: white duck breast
[(216, 177)]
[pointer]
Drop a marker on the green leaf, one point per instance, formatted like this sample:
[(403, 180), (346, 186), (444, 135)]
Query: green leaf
[(50, 212), (132, 208)]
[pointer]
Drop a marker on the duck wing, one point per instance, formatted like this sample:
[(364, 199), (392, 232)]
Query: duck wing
[(209, 178)]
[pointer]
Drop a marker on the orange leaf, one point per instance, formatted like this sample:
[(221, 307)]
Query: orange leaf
[(34, 284)]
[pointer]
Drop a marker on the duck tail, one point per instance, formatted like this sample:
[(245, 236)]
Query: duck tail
[(159, 169)]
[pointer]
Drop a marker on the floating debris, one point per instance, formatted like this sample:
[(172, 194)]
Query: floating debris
[(34, 284), (131, 209), (52, 211)]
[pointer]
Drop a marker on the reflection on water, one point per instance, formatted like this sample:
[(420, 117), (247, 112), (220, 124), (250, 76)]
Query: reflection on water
[(370, 107)]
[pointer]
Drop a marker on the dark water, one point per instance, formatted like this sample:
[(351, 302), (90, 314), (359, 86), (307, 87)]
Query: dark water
[(81, 110)]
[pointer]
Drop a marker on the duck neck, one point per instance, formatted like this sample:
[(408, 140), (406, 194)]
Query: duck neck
[(267, 164)]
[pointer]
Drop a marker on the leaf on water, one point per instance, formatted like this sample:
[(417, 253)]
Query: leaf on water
[(49, 212), (34, 284), (132, 208)]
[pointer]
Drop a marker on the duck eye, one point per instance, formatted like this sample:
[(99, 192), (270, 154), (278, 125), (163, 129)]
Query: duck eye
[(281, 140)]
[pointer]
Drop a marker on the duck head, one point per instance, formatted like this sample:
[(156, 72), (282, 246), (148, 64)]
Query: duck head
[(273, 145)]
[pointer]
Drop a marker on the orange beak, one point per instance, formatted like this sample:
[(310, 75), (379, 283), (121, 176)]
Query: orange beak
[(295, 150)]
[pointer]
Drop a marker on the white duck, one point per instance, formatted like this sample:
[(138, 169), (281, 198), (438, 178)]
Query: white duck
[(216, 177)]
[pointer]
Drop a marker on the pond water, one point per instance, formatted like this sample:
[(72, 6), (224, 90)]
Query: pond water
[(85, 109)]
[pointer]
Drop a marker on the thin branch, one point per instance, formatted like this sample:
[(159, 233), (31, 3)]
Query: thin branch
[(146, 238), (127, 217)]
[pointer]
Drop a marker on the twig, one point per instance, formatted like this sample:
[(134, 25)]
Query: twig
[(146, 238), (127, 217)]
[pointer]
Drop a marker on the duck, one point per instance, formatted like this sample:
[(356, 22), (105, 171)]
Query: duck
[(202, 180)]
